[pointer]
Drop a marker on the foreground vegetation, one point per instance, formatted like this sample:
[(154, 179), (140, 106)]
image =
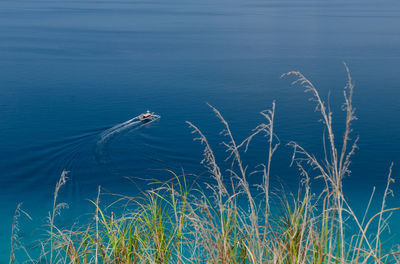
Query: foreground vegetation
[(178, 223)]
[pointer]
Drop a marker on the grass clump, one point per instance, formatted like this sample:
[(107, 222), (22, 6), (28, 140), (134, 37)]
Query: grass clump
[(177, 222)]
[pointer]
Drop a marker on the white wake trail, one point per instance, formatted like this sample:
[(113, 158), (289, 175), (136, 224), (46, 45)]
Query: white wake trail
[(107, 134), (131, 124)]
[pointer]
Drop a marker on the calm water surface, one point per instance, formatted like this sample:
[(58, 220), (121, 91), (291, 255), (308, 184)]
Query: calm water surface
[(70, 70)]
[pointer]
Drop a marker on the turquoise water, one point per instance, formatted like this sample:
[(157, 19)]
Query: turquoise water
[(70, 70)]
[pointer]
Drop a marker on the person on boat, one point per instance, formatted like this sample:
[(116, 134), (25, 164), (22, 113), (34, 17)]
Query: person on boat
[(147, 114)]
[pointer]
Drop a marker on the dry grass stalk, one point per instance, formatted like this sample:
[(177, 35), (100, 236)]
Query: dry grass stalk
[(336, 166), (56, 210), (15, 243)]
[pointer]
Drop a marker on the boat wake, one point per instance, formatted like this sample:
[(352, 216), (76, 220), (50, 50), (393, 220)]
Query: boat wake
[(88, 151), (129, 125)]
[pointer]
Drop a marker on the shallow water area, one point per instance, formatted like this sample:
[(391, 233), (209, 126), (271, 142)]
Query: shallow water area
[(71, 70)]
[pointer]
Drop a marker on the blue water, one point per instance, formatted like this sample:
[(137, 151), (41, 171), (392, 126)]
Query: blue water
[(70, 70)]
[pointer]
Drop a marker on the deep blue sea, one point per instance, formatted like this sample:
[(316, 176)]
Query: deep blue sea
[(70, 70)]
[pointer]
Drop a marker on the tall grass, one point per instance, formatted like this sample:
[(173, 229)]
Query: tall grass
[(179, 222), (15, 240)]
